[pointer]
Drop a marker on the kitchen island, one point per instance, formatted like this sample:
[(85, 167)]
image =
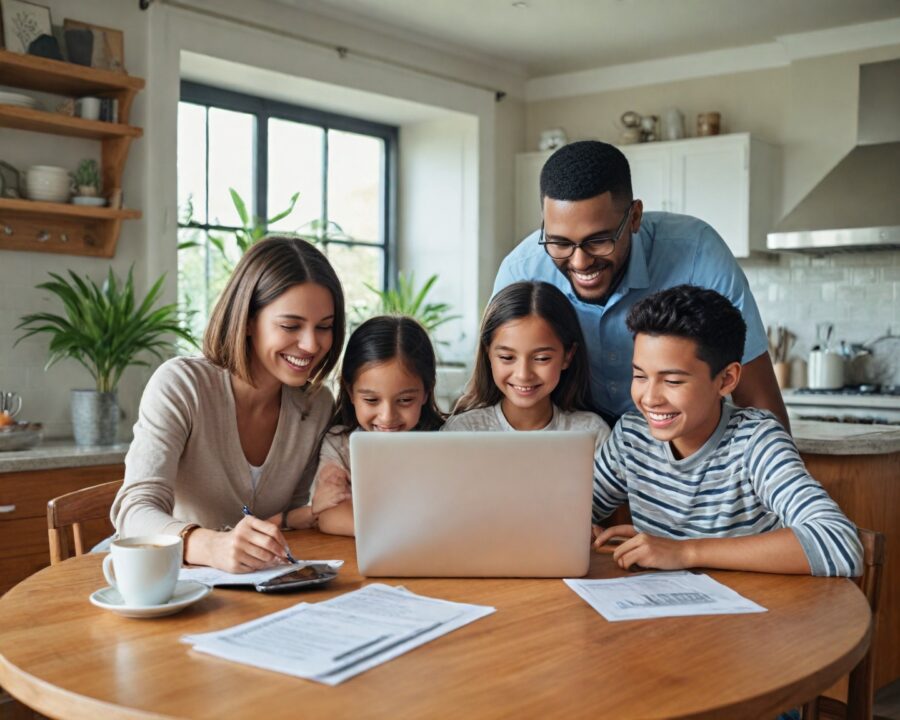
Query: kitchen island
[(28, 480), (859, 466)]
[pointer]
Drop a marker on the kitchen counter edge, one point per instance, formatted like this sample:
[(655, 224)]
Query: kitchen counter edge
[(54, 454)]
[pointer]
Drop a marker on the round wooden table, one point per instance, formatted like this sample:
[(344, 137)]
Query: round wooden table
[(544, 653)]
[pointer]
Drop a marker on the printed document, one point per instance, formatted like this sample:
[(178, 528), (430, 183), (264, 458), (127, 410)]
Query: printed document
[(220, 578), (336, 639), (664, 594)]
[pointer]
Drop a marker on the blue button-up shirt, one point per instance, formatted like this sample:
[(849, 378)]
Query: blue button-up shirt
[(668, 250)]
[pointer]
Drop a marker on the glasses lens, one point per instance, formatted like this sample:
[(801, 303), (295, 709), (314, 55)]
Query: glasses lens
[(599, 247), (559, 250)]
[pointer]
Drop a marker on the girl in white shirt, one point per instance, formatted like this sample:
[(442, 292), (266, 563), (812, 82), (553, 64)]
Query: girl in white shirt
[(387, 385), (531, 370)]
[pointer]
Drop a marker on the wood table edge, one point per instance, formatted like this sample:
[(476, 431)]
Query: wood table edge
[(56, 702)]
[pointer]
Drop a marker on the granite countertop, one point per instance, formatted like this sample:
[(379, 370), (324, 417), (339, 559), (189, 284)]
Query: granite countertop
[(866, 402), (61, 454), (834, 438)]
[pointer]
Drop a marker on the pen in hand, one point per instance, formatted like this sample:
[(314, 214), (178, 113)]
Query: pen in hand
[(287, 550)]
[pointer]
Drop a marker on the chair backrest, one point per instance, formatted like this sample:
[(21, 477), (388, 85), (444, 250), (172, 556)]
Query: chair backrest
[(75, 508), (861, 687)]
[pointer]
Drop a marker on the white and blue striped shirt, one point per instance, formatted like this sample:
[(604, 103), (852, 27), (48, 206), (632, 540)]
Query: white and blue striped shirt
[(747, 479)]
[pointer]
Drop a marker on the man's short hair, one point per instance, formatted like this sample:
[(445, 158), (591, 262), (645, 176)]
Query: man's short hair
[(586, 169), (704, 316)]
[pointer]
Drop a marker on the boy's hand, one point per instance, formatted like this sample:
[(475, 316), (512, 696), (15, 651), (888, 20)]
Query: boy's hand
[(641, 549), (332, 488)]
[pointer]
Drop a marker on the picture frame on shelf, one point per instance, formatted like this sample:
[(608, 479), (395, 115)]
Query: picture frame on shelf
[(108, 52), (23, 22)]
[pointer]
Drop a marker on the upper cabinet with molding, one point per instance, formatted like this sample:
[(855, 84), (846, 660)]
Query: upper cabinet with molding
[(725, 180)]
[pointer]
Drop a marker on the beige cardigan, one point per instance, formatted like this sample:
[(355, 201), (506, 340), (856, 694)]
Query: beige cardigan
[(185, 464)]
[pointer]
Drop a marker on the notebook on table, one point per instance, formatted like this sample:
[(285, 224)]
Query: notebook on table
[(472, 504)]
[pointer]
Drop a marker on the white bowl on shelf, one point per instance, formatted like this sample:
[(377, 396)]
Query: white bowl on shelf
[(48, 183)]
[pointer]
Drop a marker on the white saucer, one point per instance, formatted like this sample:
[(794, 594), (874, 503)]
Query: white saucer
[(88, 200), (187, 592)]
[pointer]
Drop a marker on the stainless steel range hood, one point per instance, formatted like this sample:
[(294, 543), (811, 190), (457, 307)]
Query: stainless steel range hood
[(856, 206)]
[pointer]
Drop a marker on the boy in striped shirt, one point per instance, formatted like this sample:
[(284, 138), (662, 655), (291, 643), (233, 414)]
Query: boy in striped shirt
[(709, 484)]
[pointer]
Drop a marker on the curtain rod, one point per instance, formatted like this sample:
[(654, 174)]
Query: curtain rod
[(343, 52)]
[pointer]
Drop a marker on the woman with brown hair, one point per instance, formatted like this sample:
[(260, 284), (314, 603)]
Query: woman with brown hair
[(240, 425)]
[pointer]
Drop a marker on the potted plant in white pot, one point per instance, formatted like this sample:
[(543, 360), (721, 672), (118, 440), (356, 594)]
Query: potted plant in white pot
[(86, 180), (106, 329)]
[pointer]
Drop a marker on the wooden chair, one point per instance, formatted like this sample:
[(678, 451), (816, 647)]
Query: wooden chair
[(861, 685), (75, 508)]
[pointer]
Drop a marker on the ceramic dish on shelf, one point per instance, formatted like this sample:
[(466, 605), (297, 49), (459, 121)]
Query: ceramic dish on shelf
[(187, 592), (8, 98), (89, 200), (48, 183), (20, 436)]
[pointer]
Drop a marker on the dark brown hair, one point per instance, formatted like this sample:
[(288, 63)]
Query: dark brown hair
[(269, 268), (379, 340), (708, 318), (521, 300)]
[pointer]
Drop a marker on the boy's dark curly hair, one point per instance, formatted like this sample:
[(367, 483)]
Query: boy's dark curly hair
[(704, 316)]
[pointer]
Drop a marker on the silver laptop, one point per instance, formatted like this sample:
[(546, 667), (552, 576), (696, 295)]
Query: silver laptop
[(472, 504)]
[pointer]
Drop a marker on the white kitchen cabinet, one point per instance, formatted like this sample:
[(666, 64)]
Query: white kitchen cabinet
[(726, 180)]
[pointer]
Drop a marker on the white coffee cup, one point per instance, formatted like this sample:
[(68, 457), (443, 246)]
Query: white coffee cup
[(144, 569), (88, 108)]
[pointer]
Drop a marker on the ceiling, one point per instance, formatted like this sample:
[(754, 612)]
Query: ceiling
[(546, 37)]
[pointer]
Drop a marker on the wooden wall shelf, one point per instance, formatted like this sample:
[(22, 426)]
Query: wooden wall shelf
[(20, 118), (66, 210), (59, 227)]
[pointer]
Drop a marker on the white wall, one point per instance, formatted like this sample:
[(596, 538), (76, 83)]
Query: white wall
[(438, 219), (155, 43)]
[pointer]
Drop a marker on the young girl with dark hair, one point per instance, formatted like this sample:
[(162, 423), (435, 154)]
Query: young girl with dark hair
[(387, 385), (241, 424), (531, 369)]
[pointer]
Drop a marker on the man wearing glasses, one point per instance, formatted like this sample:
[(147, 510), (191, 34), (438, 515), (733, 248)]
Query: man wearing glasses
[(597, 246)]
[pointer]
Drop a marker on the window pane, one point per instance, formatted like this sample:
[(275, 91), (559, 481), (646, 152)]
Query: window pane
[(223, 256), (192, 282), (357, 266), (295, 165), (355, 174), (191, 162), (231, 164)]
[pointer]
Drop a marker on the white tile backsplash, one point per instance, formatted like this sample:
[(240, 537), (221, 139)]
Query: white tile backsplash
[(858, 292)]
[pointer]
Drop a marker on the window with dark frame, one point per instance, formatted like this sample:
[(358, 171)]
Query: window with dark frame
[(342, 168)]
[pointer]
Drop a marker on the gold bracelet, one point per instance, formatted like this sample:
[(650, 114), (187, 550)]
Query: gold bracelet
[(185, 532)]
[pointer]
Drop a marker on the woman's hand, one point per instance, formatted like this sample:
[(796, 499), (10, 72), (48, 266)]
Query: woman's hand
[(643, 550), (253, 544), (332, 488)]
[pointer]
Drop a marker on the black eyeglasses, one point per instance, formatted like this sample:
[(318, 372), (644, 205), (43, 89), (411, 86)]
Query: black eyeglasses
[(596, 246)]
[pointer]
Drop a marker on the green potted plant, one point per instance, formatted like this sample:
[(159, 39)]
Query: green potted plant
[(406, 299), (86, 180), (105, 328)]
